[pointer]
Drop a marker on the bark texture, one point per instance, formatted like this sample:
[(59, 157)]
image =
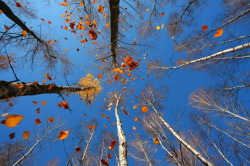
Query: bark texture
[(121, 136), (10, 89)]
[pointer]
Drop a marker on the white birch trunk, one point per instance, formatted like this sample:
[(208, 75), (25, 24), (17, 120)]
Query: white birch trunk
[(210, 57), (87, 146), (183, 142), (121, 136)]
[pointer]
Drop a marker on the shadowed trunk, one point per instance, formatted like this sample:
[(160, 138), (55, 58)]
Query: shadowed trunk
[(114, 19), (25, 89)]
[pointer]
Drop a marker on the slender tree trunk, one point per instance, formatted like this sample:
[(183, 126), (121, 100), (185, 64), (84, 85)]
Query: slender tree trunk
[(182, 141), (32, 148), (69, 160), (10, 89), (210, 57), (87, 146), (121, 136), (114, 19)]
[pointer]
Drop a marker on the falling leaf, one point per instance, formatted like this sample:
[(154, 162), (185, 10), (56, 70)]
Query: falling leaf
[(134, 128), (11, 104), (109, 156), (37, 111), (95, 42), (135, 106), (64, 4), (172, 37), (104, 162), (81, 4), (135, 41), (100, 76), (5, 114), (175, 42), (12, 120), (37, 121), (147, 10), (65, 104), (94, 1), (43, 103), (218, 33), (100, 9), (156, 141), (107, 25), (63, 134), (19, 85), (105, 125), (18, 4), (1, 12), (118, 70), (26, 134), (72, 25), (78, 149), (48, 77), (144, 109), (49, 22), (24, 33), (132, 90), (136, 119), (109, 82), (113, 143), (103, 115), (129, 135), (51, 119), (162, 14), (77, 49), (12, 135), (34, 102), (158, 27), (92, 127), (113, 124), (162, 26), (204, 27), (42, 19), (123, 88), (116, 77)]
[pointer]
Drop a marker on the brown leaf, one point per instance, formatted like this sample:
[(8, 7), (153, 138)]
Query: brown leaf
[(12, 135), (37, 121), (26, 134)]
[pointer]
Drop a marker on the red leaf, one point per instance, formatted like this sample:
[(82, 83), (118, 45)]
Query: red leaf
[(162, 14)]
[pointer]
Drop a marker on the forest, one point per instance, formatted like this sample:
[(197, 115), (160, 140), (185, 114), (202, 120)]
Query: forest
[(124, 82)]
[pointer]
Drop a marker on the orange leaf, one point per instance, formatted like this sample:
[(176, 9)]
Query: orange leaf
[(136, 119), (156, 141), (100, 76), (218, 33), (162, 14), (18, 4), (100, 9), (78, 149), (109, 82), (51, 119), (6, 28), (113, 143), (64, 4), (12, 120), (118, 70), (134, 128), (47, 76), (103, 115), (49, 22), (42, 19), (38, 111), (7, 98), (107, 25), (19, 85), (65, 104), (37, 121), (81, 4), (132, 90), (135, 41), (11, 104), (49, 41), (43, 103), (24, 33), (108, 118), (63, 134), (109, 156), (204, 27), (94, 22), (95, 42), (59, 105), (113, 124), (34, 102), (123, 88), (92, 127), (26, 134), (12, 135), (144, 109), (94, 1)]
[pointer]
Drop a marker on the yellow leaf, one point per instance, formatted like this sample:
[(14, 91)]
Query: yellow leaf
[(135, 119), (134, 128), (100, 9), (26, 134), (13, 120), (218, 33), (118, 70), (147, 10), (162, 26), (158, 27), (144, 109), (63, 134), (24, 33)]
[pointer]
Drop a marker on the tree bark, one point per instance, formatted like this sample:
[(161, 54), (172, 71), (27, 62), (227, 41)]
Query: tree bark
[(182, 141), (87, 146), (114, 19), (210, 57), (8, 89), (121, 136)]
